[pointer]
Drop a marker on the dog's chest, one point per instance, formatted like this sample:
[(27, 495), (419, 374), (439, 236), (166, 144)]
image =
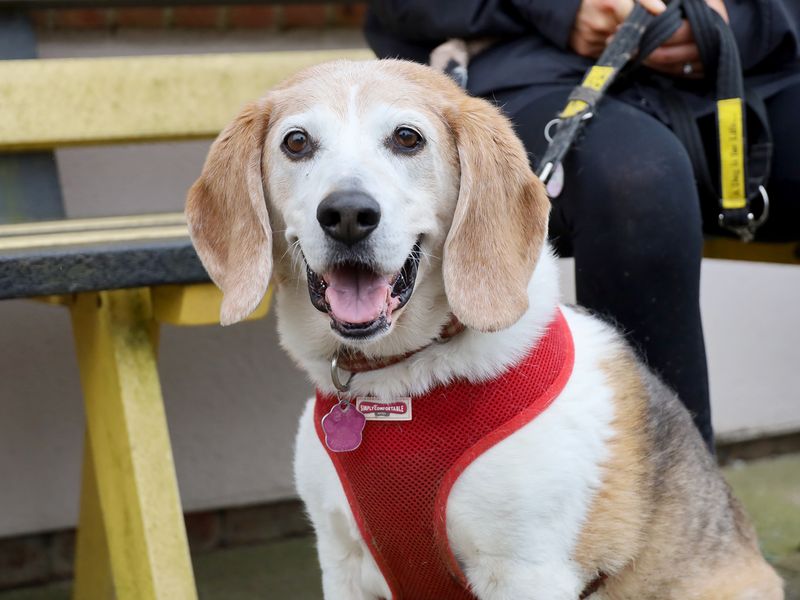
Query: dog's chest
[(399, 480)]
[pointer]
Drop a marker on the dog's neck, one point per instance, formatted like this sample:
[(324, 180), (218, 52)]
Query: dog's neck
[(470, 355)]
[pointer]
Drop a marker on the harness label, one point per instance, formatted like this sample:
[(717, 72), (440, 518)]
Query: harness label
[(379, 409)]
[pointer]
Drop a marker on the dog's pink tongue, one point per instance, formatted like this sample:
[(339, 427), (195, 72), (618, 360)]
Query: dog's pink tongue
[(356, 295)]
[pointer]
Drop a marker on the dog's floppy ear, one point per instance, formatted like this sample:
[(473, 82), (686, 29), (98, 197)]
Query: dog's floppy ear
[(227, 214), (500, 221)]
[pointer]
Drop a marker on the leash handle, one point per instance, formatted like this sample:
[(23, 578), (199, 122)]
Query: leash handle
[(744, 164), (582, 100), (744, 151)]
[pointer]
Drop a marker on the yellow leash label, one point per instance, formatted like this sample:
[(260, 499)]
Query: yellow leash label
[(572, 108), (596, 77), (731, 153)]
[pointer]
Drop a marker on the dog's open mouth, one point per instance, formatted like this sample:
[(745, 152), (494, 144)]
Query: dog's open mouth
[(359, 300)]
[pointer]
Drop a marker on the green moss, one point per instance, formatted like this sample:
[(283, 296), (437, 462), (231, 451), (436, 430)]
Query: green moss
[(770, 491), (286, 569)]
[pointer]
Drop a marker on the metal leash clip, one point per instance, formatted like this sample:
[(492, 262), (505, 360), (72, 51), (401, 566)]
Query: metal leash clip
[(747, 232)]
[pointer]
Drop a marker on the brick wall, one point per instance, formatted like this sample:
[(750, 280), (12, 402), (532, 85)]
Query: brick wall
[(274, 16)]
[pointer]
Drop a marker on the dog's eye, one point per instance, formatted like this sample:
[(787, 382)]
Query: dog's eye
[(297, 144), (405, 139)]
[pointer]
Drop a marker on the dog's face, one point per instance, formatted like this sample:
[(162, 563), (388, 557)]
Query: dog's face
[(382, 189), (364, 179)]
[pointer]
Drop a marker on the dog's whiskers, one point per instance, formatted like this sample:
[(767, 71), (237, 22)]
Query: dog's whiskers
[(290, 248), (428, 255)]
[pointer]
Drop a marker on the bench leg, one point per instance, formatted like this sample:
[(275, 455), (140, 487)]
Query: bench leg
[(92, 568), (130, 453)]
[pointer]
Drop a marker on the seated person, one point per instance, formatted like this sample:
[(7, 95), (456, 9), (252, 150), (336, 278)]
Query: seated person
[(630, 211)]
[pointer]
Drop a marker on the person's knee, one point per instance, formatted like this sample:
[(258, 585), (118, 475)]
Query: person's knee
[(641, 200)]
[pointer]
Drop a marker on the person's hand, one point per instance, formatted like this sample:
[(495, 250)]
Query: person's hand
[(679, 56), (597, 20)]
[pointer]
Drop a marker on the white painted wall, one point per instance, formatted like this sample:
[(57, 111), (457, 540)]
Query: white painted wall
[(751, 319), (232, 397)]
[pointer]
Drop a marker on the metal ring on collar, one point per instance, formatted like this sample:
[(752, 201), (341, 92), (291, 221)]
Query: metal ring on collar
[(337, 383)]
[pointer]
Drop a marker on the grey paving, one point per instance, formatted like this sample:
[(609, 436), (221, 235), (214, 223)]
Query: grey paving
[(770, 489)]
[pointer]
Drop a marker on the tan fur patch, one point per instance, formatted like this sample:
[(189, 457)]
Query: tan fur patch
[(663, 524), (612, 534), (227, 214), (500, 222), (737, 580)]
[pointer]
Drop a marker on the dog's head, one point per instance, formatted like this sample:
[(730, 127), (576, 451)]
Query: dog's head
[(371, 183)]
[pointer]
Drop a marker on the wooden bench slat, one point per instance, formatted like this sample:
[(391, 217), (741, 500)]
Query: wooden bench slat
[(91, 224), (61, 102), (83, 255), (92, 237), (732, 249), (84, 268)]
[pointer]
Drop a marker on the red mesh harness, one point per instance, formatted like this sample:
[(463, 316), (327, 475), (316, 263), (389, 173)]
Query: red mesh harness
[(398, 481)]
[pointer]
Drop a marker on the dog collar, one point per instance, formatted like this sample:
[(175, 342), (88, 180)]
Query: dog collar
[(356, 362)]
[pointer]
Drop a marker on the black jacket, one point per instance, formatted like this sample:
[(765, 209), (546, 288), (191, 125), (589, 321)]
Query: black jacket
[(533, 35)]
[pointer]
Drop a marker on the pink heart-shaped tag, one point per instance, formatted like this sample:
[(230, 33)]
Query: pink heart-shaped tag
[(343, 427)]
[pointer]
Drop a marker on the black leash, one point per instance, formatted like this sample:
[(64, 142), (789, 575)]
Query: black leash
[(743, 164), (744, 140), (583, 99), (744, 149)]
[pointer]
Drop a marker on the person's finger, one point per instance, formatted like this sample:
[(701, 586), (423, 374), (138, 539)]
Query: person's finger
[(654, 6), (687, 70), (591, 50), (671, 55), (596, 36), (619, 8), (601, 23), (719, 6), (579, 43)]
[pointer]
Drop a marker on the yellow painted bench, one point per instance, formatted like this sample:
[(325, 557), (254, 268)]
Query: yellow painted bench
[(121, 278)]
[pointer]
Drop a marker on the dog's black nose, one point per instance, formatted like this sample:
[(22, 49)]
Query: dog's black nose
[(348, 215)]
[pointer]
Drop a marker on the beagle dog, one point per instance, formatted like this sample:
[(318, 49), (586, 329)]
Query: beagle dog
[(405, 236)]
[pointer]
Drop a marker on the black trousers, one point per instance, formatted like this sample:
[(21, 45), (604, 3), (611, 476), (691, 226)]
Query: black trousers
[(632, 217)]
